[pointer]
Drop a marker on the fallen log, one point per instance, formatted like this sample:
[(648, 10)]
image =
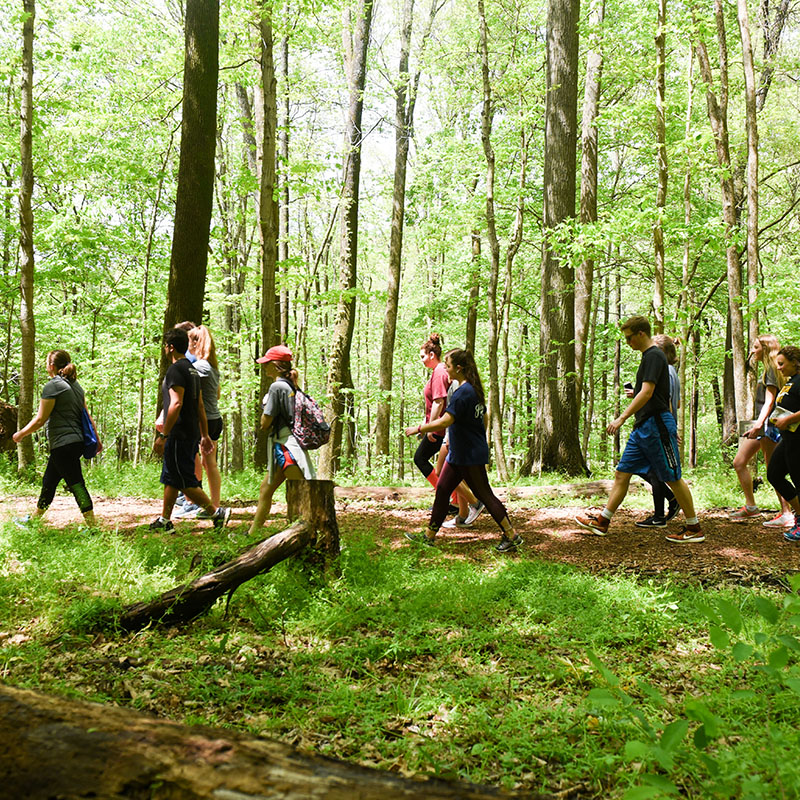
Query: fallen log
[(51, 747), (188, 601)]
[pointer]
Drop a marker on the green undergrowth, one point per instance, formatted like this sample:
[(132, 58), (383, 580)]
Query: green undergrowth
[(505, 671)]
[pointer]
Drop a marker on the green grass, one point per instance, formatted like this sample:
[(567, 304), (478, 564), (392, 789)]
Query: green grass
[(506, 671)]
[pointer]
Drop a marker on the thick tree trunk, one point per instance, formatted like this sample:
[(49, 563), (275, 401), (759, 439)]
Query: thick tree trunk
[(661, 164), (356, 45), (557, 446), (194, 200), (27, 322), (55, 747), (314, 503), (591, 103)]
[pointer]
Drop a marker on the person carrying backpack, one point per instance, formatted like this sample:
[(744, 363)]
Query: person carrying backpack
[(287, 458)]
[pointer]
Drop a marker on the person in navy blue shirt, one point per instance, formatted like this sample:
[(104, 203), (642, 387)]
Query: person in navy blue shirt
[(465, 416)]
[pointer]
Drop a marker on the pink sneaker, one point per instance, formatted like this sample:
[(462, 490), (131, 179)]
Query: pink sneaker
[(744, 513)]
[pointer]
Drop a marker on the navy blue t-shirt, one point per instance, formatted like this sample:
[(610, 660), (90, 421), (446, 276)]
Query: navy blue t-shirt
[(468, 443)]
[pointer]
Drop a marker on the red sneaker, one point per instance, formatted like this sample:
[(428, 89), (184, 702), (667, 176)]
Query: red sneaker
[(594, 523)]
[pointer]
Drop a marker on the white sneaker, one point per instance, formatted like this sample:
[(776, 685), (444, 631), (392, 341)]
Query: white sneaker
[(452, 523), (785, 520), (473, 514)]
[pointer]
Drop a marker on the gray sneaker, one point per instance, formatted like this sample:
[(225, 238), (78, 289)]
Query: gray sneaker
[(473, 514), (221, 517)]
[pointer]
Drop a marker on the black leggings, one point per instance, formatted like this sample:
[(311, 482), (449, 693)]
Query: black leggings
[(65, 464), (477, 480), (785, 460), (426, 450), (661, 493)]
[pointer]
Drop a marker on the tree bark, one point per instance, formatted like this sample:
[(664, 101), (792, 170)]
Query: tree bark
[(591, 103), (474, 292), (356, 45), (556, 445), (661, 163), (56, 747), (27, 322), (195, 195), (314, 502), (269, 306)]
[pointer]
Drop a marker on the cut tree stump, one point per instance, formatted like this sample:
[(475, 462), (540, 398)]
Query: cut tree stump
[(314, 502), (51, 747)]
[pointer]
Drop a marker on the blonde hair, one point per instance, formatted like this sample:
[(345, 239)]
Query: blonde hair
[(201, 343), (769, 354)]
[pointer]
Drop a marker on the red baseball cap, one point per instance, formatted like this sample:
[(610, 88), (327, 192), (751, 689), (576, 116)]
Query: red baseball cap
[(278, 353)]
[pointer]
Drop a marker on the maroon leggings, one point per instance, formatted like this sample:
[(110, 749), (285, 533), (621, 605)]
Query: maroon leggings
[(475, 477)]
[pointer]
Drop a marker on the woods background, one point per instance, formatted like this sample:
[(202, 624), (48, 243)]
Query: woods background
[(514, 176)]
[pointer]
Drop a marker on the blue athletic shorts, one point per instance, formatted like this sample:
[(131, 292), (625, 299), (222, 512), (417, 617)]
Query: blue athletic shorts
[(653, 447), (177, 469), (771, 432)]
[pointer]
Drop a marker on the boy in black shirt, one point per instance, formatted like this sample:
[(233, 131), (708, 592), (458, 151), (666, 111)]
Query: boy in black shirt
[(184, 428), (653, 442)]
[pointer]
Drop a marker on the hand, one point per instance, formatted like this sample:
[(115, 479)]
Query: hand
[(781, 423), (431, 437), (158, 446), (411, 430), (18, 437), (206, 445), (614, 426), (755, 432), (629, 393)]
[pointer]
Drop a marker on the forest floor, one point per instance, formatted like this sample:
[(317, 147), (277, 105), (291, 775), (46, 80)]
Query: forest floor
[(742, 552)]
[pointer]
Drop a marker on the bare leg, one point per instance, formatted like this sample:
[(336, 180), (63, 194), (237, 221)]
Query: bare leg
[(768, 448), (744, 455), (200, 498), (170, 496), (683, 494), (213, 475), (622, 481), (265, 499)]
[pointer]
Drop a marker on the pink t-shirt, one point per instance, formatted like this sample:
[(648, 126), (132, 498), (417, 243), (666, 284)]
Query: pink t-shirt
[(436, 389)]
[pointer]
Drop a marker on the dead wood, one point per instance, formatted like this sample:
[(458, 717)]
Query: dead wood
[(188, 601), (313, 501), (52, 747), (8, 426)]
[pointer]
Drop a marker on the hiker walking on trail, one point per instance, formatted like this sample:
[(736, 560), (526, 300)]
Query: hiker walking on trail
[(183, 429), (60, 410), (465, 418), (653, 442), (287, 459)]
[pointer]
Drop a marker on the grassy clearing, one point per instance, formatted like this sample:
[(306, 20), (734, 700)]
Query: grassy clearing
[(513, 672)]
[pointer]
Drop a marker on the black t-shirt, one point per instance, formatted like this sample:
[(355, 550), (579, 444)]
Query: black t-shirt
[(789, 398), (653, 368), (182, 373)]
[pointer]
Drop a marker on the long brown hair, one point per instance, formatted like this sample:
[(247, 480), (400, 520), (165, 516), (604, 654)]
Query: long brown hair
[(62, 363), (465, 360), (286, 371)]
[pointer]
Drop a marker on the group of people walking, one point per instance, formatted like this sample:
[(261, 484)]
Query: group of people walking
[(453, 431)]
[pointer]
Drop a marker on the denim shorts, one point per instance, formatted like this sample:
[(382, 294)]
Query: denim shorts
[(653, 447), (771, 432)]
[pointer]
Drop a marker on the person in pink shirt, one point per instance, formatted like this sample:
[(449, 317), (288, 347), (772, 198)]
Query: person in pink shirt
[(435, 394)]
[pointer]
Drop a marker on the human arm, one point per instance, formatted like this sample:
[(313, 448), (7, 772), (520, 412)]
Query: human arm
[(638, 402), (769, 403), (46, 406), (437, 409), (206, 444), (171, 417), (445, 421)]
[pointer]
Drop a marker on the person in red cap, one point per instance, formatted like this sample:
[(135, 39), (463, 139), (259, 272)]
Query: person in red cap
[(286, 458)]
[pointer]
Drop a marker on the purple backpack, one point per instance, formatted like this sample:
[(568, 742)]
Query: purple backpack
[(309, 426)]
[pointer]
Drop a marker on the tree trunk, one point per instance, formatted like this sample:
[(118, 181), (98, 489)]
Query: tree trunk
[(487, 115), (314, 503), (356, 44), (557, 446), (661, 163), (474, 293), (718, 117), (56, 747), (591, 103), (27, 322), (195, 195), (752, 182), (267, 211), (283, 211)]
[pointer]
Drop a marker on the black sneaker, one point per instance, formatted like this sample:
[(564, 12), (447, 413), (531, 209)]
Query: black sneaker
[(508, 545), (159, 524), (652, 522), (672, 510), (221, 517)]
